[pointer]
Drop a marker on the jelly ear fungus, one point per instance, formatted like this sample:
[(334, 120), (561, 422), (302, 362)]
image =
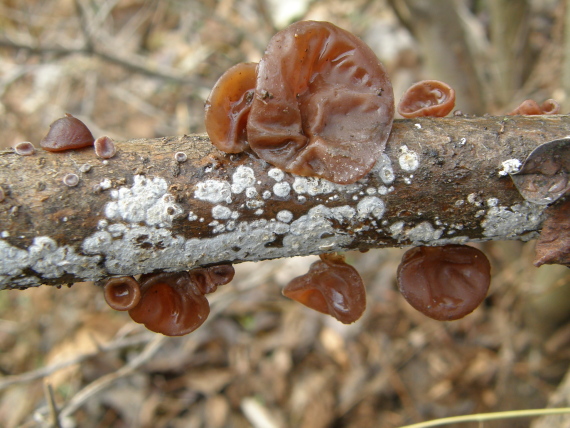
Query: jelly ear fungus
[(227, 108), (553, 245), (445, 282), (323, 103), (122, 293), (430, 98), (170, 304), (67, 133), (331, 287)]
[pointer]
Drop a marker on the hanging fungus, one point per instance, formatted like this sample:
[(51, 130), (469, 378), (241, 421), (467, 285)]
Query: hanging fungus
[(331, 287), (445, 282), (227, 108), (24, 148), (170, 304), (531, 108), (545, 174), (67, 133), (208, 279), (427, 98), (122, 293), (104, 147), (553, 245)]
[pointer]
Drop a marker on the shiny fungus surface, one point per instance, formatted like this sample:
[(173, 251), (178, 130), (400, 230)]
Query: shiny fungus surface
[(430, 98), (227, 108), (323, 103), (170, 304), (208, 279), (67, 133), (445, 282), (331, 287), (531, 108), (122, 293)]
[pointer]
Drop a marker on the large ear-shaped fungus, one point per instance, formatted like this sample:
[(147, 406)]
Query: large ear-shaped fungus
[(67, 133), (427, 98), (446, 282), (208, 279), (323, 103), (170, 304), (332, 287), (531, 108), (545, 174), (553, 245), (227, 108), (122, 293)]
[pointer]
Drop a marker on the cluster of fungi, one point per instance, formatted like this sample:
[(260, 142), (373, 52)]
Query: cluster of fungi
[(318, 104), (173, 304)]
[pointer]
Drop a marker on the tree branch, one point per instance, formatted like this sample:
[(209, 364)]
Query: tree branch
[(440, 181)]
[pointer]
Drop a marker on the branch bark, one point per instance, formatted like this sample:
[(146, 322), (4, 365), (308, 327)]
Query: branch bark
[(440, 181)]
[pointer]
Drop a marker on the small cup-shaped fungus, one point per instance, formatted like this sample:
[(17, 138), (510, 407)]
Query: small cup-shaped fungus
[(331, 287), (122, 293), (24, 148), (170, 304), (105, 147), (323, 103), (67, 133), (531, 108), (430, 98), (227, 108), (445, 282), (208, 279)]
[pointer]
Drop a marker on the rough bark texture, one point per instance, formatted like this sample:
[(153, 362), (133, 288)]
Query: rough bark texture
[(440, 181)]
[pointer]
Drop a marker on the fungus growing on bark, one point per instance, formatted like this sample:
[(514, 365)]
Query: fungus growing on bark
[(545, 174), (122, 293), (67, 133), (531, 107), (104, 147), (208, 279), (427, 98), (24, 148), (71, 180), (553, 245), (332, 287), (446, 282), (227, 108), (170, 304), (323, 103)]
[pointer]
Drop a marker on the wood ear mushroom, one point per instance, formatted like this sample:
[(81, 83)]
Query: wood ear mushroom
[(331, 287)]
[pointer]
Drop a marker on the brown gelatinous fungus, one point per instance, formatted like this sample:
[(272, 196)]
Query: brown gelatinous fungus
[(208, 279), (531, 108), (331, 287), (227, 108), (323, 103), (24, 148), (170, 304), (430, 98), (446, 282), (544, 176), (122, 293), (553, 245), (104, 147), (67, 133)]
